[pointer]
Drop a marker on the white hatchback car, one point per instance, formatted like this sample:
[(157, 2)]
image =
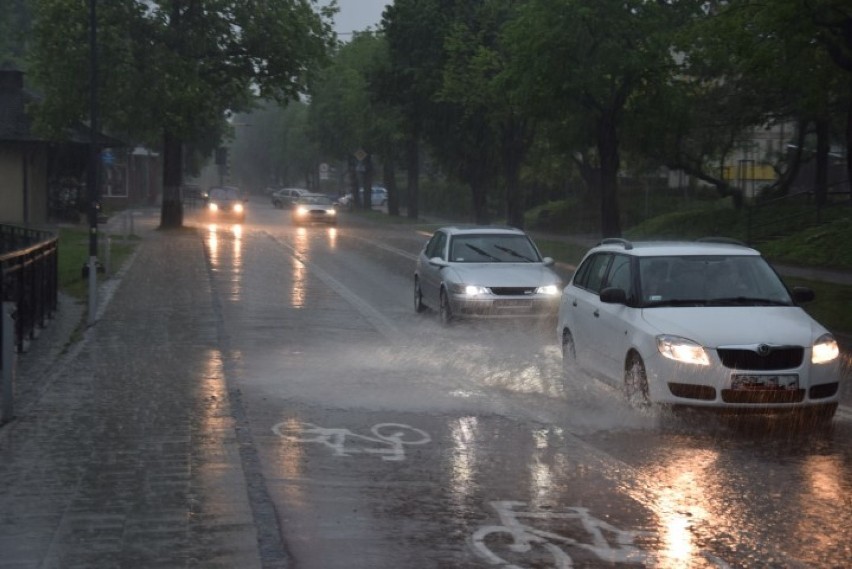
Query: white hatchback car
[(705, 323), (485, 272)]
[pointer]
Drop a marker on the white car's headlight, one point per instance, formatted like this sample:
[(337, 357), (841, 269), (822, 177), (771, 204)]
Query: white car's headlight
[(213, 207), (238, 208), (825, 350), (682, 350), (301, 210), (549, 290), (331, 211)]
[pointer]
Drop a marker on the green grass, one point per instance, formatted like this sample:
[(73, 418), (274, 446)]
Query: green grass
[(74, 254), (561, 251)]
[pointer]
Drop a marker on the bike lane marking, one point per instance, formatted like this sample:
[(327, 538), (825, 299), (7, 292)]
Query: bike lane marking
[(336, 438)]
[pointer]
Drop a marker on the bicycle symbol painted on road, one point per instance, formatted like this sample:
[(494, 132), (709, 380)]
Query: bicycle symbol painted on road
[(392, 437), (603, 540)]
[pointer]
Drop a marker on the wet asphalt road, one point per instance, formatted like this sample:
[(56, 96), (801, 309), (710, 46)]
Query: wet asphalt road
[(385, 440)]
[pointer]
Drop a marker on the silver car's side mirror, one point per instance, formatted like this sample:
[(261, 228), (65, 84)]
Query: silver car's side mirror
[(548, 261), (438, 262)]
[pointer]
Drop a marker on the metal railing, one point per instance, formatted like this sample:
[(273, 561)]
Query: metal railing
[(794, 212), (29, 279)]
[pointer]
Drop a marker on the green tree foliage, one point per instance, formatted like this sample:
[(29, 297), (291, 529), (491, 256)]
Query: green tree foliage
[(784, 61), (15, 22), (172, 69), (584, 64)]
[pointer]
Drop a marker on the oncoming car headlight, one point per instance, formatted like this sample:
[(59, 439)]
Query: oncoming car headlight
[(825, 350), (213, 207), (549, 290), (469, 290), (238, 208), (682, 350), (301, 210)]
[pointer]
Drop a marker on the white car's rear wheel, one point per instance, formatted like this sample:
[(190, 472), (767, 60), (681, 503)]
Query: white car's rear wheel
[(636, 383)]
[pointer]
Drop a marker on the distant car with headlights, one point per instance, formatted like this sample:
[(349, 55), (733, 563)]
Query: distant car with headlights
[(225, 204), (701, 324), (313, 208), (485, 272)]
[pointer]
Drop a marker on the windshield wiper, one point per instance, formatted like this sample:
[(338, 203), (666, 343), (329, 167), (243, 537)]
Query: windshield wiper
[(483, 253), (748, 300), (676, 302), (513, 253)]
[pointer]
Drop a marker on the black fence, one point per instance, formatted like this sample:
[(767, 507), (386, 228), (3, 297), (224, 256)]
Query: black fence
[(29, 278)]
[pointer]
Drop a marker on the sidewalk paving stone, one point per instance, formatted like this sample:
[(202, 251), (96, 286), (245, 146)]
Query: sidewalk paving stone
[(126, 455)]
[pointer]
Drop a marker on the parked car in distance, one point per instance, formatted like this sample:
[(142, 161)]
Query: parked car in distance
[(311, 208), (284, 198), (703, 324), (225, 204), (378, 197), (485, 272)]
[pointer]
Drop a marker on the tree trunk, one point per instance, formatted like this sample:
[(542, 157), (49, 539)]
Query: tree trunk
[(355, 202), (368, 182), (514, 150), (849, 141), (821, 181), (608, 154), (412, 151), (171, 212), (479, 193), (389, 176)]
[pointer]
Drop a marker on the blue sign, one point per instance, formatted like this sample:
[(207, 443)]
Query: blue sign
[(107, 157)]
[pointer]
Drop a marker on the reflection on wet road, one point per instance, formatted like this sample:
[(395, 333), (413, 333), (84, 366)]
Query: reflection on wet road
[(387, 440)]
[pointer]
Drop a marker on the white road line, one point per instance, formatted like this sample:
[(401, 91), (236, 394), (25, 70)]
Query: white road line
[(379, 321)]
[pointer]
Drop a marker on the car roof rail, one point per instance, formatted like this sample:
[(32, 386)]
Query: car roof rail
[(617, 241), (722, 240)]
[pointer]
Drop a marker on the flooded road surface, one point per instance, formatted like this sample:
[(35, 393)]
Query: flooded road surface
[(383, 439)]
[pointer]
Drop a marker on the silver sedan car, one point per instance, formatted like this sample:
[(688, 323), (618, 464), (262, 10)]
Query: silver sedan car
[(485, 272)]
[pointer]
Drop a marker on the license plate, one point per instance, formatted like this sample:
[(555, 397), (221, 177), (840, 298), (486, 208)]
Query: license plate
[(754, 382), (513, 304)]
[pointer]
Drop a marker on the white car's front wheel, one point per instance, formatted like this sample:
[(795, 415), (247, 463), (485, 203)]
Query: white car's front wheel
[(446, 310), (636, 383), (418, 297), (569, 354)]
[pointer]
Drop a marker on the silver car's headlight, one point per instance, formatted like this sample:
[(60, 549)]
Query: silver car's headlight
[(825, 350), (682, 350), (469, 290), (549, 290)]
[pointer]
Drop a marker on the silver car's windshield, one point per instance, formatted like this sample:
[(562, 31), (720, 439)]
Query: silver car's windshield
[(315, 200), (484, 248), (717, 280)]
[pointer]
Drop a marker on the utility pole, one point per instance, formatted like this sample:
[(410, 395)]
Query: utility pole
[(92, 181)]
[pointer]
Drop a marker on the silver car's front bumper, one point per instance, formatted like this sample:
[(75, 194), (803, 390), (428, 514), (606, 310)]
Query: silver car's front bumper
[(538, 306)]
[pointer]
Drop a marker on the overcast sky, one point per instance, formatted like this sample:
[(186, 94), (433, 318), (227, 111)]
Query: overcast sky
[(357, 15)]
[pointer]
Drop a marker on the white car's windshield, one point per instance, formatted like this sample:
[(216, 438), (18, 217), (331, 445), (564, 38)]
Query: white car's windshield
[(223, 194), (710, 280), (483, 248)]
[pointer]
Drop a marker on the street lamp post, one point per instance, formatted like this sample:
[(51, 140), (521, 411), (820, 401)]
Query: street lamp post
[(92, 180)]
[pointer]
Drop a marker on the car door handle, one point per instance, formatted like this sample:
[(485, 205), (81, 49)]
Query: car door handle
[(597, 313), (574, 303)]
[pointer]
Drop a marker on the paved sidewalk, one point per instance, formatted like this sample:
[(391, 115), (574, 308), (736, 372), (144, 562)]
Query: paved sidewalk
[(125, 453)]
